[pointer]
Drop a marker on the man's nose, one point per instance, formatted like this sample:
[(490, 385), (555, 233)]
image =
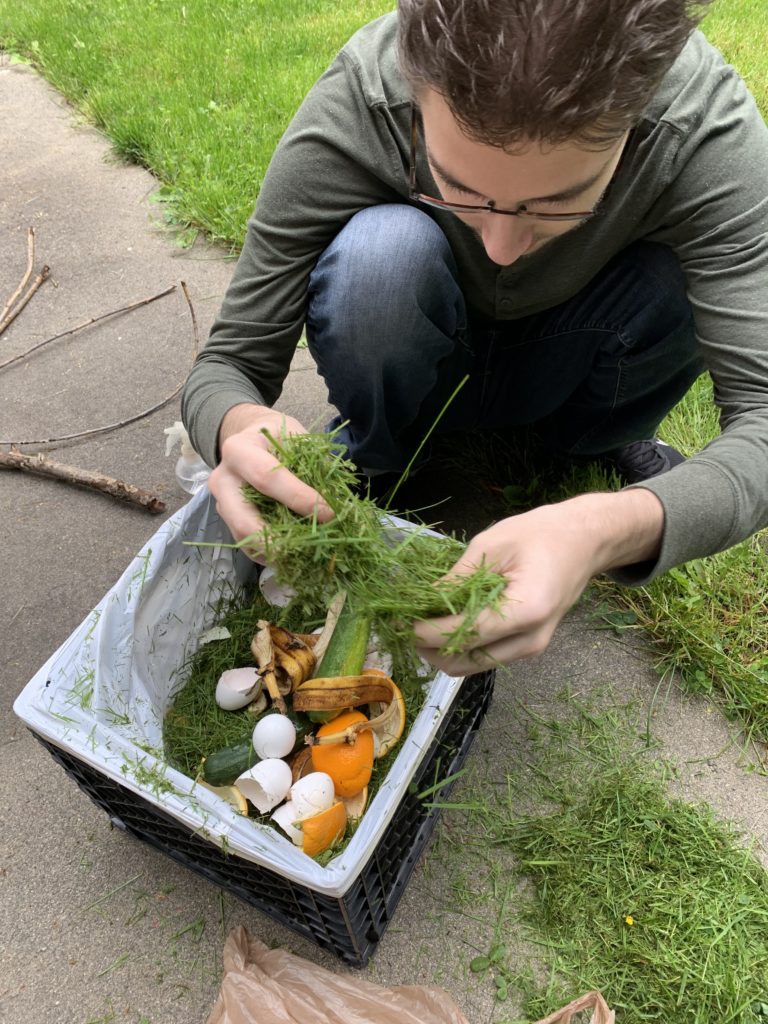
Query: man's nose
[(506, 239)]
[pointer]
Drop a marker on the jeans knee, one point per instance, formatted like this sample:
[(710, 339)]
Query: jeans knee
[(387, 262)]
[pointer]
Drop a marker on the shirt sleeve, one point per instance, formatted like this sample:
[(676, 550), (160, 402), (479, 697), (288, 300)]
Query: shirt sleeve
[(338, 156), (714, 215)]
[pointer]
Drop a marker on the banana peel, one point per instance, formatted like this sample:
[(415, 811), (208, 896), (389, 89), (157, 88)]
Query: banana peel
[(284, 660), (336, 693)]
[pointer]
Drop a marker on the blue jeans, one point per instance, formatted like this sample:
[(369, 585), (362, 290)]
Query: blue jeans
[(392, 336)]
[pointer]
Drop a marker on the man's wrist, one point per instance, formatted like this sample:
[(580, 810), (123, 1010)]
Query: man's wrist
[(238, 418), (626, 527)]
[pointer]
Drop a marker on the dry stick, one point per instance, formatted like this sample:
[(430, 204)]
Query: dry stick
[(40, 279), (23, 285), (87, 323), (42, 466), (131, 419)]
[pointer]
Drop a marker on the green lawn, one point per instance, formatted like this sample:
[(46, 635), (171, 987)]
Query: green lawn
[(198, 92)]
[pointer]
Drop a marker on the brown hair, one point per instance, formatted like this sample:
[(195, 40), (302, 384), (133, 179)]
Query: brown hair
[(549, 70)]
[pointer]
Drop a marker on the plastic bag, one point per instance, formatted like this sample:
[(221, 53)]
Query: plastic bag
[(590, 1001), (271, 986)]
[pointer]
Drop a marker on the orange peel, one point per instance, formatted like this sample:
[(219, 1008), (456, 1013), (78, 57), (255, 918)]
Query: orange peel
[(322, 830), (349, 763)]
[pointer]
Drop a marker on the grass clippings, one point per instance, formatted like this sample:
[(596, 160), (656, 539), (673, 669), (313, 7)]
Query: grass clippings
[(392, 579), (649, 899)]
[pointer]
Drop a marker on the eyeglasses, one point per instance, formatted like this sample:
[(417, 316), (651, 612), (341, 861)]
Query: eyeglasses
[(440, 204)]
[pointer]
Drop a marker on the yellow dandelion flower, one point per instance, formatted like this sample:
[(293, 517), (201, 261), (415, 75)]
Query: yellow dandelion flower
[(629, 920)]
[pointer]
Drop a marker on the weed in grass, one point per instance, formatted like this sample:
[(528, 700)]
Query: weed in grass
[(651, 900)]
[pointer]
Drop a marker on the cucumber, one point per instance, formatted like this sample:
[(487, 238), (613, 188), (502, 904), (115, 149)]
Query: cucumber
[(345, 653), (223, 766)]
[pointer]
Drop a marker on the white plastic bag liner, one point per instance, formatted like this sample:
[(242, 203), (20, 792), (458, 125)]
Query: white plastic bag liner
[(103, 695)]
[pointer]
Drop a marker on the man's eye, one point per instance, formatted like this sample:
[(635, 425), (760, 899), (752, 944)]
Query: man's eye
[(554, 202), (462, 191)]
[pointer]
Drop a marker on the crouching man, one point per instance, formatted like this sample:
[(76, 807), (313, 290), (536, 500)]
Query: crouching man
[(565, 202)]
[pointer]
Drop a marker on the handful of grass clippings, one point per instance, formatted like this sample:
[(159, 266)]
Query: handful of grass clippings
[(390, 578)]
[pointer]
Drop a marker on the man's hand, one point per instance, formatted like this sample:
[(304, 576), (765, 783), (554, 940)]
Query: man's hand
[(247, 457), (548, 556)]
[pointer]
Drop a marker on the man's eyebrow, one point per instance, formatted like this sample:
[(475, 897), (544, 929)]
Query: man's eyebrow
[(569, 193)]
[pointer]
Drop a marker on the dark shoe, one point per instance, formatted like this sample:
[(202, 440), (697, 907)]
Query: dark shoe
[(642, 460)]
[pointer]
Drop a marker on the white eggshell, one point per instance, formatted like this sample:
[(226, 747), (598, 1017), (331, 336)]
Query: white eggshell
[(274, 735), (214, 633), (266, 784), (237, 687), (284, 816), (278, 594), (312, 794)]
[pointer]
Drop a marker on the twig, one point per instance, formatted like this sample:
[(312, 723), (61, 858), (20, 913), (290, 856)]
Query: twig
[(87, 323), (39, 280), (22, 286), (42, 466), (195, 332), (131, 419)]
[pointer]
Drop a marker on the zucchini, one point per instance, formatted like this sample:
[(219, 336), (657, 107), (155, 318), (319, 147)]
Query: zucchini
[(223, 766), (346, 650), (345, 653)]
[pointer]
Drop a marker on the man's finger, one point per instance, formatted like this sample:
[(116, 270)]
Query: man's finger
[(490, 626), (489, 656), (262, 470), (240, 516)]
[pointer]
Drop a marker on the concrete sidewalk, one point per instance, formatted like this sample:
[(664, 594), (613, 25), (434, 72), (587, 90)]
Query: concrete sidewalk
[(95, 927)]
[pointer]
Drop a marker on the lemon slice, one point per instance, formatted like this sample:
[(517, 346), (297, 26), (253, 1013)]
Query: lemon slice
[(231, 794)]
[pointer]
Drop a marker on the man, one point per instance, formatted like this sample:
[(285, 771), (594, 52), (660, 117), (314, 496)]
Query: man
[(565, 200)]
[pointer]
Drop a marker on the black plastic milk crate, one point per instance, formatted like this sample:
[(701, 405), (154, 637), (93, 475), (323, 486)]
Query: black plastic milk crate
[(351, 925)]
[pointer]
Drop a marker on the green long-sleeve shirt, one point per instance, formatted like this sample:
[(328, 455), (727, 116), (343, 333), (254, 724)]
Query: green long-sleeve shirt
[(694, 177)]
